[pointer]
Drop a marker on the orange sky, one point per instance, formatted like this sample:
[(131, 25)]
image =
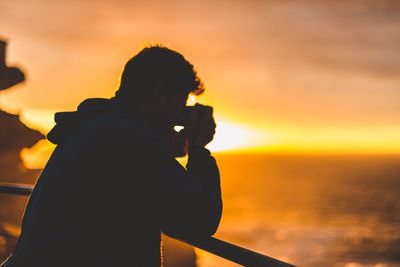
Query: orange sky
[(283, 76)]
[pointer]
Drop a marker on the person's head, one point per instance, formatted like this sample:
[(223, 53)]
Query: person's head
[(157, 81)]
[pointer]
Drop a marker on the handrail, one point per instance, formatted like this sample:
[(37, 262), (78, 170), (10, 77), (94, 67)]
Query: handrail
[(213, 245), (16, 189)]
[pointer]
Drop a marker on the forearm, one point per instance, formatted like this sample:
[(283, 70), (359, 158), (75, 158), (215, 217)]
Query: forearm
[(195, 213), (203, 167)]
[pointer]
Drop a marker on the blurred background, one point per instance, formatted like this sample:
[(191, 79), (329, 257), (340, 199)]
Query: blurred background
[(306, 97)]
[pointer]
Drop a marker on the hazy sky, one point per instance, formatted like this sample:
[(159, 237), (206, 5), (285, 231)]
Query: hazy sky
[(303, 73)]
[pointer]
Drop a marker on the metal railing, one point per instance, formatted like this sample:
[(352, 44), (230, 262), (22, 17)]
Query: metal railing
[(212, 245)]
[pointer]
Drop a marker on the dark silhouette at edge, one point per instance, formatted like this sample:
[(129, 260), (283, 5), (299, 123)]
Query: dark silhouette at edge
[(9, 76), (14, 136)]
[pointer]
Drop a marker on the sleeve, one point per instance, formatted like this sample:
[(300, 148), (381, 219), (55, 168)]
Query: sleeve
[(194, 212), (183, 202)]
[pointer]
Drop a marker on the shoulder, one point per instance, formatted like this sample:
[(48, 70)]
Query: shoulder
[(121, 133)]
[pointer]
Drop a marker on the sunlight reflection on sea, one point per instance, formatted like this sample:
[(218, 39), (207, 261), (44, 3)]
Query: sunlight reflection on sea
[(340, 211)]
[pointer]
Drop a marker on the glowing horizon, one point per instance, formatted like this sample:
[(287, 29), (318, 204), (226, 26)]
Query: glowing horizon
[(235, 137)]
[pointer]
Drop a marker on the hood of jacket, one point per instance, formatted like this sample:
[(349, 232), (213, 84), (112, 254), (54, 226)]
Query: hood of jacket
[(68, 122)]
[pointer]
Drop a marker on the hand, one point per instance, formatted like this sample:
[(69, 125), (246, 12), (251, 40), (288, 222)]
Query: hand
[(178, 142), (200, 128)]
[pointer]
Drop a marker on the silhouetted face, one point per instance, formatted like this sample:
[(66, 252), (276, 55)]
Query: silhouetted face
[(174, 106)]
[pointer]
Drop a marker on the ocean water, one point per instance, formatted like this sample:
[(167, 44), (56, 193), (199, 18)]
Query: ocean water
[(311, 210), (340, 211)]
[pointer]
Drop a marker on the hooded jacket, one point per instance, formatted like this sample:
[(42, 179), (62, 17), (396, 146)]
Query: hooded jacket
[(108, 190)]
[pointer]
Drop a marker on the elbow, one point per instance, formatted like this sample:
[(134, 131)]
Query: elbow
[(196, 228), (211, 222), (198, 222), (211, 229), (201, 231), (214, 223)]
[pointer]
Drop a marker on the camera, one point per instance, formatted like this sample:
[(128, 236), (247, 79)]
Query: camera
[(183, 118), (192, 113)]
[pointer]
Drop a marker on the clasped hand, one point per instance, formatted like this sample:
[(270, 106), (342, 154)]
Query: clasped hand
[(198, 131)]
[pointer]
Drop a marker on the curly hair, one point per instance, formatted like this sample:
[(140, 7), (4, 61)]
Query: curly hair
[(154, 65)]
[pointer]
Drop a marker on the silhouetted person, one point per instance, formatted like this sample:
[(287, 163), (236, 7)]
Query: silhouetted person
[(112, 183)]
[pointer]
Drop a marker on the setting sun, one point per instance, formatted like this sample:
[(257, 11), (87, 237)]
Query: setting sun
[(234, 136), (229, 137)]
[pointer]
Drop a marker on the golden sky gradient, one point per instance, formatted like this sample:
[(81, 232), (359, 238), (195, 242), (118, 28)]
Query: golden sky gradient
[(283, 76)]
